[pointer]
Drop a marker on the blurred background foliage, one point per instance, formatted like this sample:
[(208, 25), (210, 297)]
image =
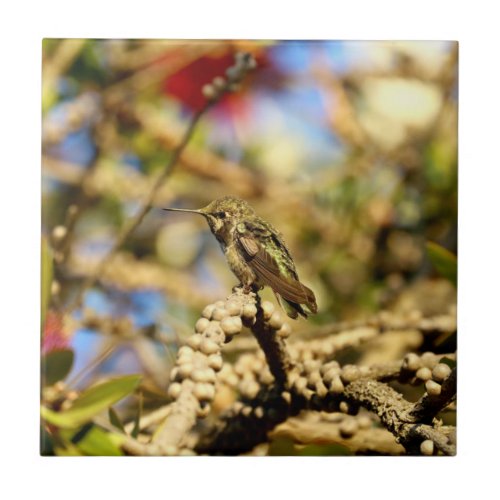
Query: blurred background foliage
[(348, 148)]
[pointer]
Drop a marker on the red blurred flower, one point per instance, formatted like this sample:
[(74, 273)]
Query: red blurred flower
[(187, 83), (54, 336)]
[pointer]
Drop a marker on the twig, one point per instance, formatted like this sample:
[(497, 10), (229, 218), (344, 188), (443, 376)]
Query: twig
[(128, 273), (373, 440), (150, 419), (64, 54), (75, 210), (392, 409), (427, 407), (205, 164), (105, 351), (246, 424), (193, 377), (213, 94), (153, 70), (147, 204), (387, 321)]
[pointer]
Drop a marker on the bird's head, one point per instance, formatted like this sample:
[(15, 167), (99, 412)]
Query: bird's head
[(222, 213)]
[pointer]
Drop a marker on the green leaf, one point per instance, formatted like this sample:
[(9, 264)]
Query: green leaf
[(88, 440), (47, 266), (443, 260), (115, 419), (56, 365), (97, 442), (107, 393), (92, 402), (70, 450)]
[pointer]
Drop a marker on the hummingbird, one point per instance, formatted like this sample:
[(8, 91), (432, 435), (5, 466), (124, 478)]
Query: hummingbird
[(256, 253)]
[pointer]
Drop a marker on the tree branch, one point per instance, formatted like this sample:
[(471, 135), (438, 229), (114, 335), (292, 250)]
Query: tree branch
[(427, 407), (247, 423), (267, 324), (243, 65)]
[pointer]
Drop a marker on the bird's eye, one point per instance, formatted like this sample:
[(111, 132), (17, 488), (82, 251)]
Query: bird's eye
[(221, 215)]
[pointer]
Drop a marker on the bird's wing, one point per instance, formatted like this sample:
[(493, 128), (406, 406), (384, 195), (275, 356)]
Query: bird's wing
[(268, 272)]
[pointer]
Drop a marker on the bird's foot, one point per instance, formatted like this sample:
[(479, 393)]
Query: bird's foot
[(246, 289)]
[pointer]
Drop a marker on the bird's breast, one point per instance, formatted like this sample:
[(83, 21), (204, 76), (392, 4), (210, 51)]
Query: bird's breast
[(238, 264)]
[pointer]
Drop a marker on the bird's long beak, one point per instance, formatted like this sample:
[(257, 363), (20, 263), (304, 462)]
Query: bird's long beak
[(184, 210)]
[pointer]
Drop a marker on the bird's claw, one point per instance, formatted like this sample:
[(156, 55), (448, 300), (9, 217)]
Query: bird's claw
[(246, 289)]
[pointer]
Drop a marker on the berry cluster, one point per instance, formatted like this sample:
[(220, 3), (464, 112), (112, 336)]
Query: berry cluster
[(200, 359), (244, 63), (427, 369)]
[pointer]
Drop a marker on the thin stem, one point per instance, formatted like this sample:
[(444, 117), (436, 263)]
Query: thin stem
[(139, 217)]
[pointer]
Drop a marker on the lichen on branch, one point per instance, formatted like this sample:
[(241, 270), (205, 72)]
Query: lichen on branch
[(278, 383)]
